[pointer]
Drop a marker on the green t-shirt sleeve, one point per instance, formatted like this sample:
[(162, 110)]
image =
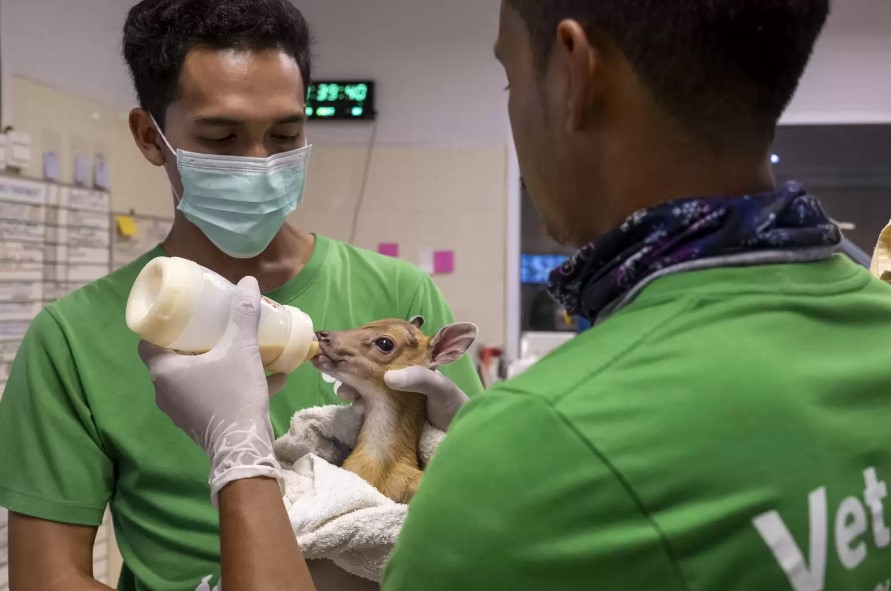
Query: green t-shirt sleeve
[(430, 303), (52, 464), (516, 499)]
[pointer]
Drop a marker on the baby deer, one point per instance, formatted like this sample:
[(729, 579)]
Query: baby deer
[(386, 454)]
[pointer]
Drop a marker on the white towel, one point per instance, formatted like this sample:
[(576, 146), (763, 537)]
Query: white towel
[(334, 513)]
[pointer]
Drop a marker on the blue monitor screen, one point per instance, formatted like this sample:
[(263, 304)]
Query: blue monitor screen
[(535, 268)]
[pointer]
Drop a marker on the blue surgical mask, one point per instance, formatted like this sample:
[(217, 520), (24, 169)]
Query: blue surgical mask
[(240, 203)]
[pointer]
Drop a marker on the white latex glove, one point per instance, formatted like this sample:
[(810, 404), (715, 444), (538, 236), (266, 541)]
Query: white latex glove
[(351, 395), (444, 398), (221, 398)]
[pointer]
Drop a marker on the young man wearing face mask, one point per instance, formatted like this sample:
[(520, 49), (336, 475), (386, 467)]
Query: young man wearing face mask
[(221, 86), (724, 424)]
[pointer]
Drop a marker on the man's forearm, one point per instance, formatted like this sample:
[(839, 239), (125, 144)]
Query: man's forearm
[(47, 556), (66, 583), (259, 550), (20, 580)]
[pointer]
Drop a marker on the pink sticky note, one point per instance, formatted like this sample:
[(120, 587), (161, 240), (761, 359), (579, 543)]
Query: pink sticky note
[(390, 249), (444, 261)]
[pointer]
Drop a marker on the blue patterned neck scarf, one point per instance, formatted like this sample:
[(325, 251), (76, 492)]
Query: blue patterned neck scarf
[(687, 230)]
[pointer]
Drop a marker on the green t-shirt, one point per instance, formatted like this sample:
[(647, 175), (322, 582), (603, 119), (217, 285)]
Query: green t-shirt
[(728, 427), (79, 427)]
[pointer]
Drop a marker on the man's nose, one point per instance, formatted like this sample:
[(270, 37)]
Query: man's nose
[(258, 150)]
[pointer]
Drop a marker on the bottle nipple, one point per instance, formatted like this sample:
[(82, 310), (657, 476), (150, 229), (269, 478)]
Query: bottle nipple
[(313, 350)]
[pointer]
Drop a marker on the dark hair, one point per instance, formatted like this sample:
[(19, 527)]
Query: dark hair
[(158, 34), (713, 64)]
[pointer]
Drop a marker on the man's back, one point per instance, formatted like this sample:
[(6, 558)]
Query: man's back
[(727, 430)]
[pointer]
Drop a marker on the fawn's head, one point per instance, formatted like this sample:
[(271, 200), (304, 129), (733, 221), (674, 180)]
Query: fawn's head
[(360, 357)]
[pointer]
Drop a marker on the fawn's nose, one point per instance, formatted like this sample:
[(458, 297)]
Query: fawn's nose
[(323, 336)]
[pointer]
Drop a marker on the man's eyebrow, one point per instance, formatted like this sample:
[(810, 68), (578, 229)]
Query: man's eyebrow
[(219, 121), (229, 121), (295, 118)]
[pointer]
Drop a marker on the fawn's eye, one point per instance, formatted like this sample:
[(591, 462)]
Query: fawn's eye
[(384, 344)]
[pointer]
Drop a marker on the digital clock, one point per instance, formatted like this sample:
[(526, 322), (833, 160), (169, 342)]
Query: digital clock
[(338, 100)]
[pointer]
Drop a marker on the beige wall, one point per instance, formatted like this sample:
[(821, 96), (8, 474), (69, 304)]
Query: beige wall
[(68, 124), (424, 199)]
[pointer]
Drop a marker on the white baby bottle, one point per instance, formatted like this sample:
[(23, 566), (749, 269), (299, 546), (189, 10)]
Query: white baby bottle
[(178, 304)]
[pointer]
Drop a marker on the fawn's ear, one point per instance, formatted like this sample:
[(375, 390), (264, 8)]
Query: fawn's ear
[(451, 343), (418, 321)]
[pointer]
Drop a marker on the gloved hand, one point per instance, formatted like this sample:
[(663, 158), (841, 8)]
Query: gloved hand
[(444, 398), (351, 395), (221, 398)]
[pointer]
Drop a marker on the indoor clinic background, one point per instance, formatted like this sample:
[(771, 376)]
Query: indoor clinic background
[(425, 171)]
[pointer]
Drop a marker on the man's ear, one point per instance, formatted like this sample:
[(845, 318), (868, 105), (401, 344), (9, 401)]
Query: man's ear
[(581, 61), (147, 138), (451, 343)]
